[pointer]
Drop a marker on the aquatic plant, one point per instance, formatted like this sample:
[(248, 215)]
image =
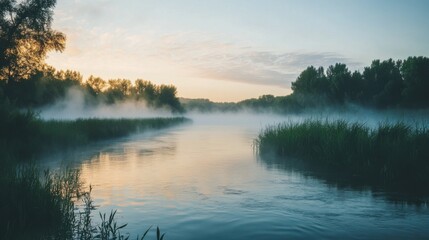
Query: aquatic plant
[(392, 154), (23, 135), (45, 205), (56, 133), (37, 203)]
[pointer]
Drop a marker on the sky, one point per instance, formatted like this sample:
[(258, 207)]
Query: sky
[(230, 50)]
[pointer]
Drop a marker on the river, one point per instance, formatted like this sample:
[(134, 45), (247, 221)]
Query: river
[(204, 181)]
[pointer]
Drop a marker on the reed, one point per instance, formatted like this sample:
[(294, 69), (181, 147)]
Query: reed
[(79, 132), (23, 135), (393, 154), (39, 204), (47, 205)]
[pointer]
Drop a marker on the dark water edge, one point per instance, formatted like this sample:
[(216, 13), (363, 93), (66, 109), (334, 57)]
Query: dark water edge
[(343, 180)]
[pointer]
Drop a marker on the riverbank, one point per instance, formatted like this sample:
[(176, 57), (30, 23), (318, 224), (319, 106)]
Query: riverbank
[(24, 135), (43, 205)]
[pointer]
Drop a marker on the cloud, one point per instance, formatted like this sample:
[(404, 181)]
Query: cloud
[(122, 52), (267, 68), (230, 62)]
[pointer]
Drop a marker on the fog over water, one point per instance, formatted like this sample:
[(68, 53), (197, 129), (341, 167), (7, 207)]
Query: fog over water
[(204, 181), (73, 106)]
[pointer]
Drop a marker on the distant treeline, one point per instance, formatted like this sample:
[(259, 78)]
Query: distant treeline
[(47, 86), (383, 85)]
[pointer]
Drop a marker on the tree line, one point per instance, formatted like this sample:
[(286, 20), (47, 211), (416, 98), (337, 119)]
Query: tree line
[(47, 86), (27, 81), (383, 84)]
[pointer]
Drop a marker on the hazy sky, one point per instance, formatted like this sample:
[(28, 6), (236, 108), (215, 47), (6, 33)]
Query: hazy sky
[(229, 50)]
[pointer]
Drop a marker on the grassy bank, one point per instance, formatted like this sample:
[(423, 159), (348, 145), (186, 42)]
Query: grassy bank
[(42, 205), (54, 133), (24, 135), (46, 205), (37, 205), (391, 154)]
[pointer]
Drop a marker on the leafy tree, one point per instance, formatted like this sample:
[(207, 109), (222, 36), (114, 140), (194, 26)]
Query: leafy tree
[(383, 84), (42, 88), (26, 37), (339, 77), (167, 97), (415, 71), (311, 81), (118, 90), (73, 77), (145, 90), (355, 87), (95, 85)]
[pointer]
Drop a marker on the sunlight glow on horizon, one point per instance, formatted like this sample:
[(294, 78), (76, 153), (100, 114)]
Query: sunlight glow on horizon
[(232, 50)]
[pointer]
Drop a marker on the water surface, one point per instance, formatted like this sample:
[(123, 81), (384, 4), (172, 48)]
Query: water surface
[(203, 181)]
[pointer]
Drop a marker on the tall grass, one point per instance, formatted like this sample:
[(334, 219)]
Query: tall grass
[(42, 205), (47, 205), (35, 204), (79, 132), (23, 135), (393, 154)]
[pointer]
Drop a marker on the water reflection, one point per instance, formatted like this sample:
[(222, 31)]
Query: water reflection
[(203, 181), (344, 181)]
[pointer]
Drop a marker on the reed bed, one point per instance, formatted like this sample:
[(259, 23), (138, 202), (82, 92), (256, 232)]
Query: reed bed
[(394, 154), (37, 204), (24, 135), (53, 205), (82, 131)]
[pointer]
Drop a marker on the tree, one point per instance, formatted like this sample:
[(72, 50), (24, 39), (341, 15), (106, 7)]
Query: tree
[(145, 90), (311, 81), (355, 87), (70, 76), (118, 90), (167, 97), (26, 37), (339, 78), (415, 71), (95, 85), (383, 84)]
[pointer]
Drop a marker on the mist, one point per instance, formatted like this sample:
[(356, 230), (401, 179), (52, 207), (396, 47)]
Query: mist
[(74, 106), (256, 121)]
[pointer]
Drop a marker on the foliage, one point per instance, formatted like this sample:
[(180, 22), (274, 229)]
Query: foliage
[(384, 84), (26, 37), (311, 81), (40, 205), (392, 154), (37, 204), (205, 105), (46, 205), (415, 73), (48, 86), (23, 135)]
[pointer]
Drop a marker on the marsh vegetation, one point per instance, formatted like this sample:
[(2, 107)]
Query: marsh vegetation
[(25, 135), (41, 204), (392, 154), (53, 205)]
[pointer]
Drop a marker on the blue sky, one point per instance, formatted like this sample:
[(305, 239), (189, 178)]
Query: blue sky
[(228, 50)]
